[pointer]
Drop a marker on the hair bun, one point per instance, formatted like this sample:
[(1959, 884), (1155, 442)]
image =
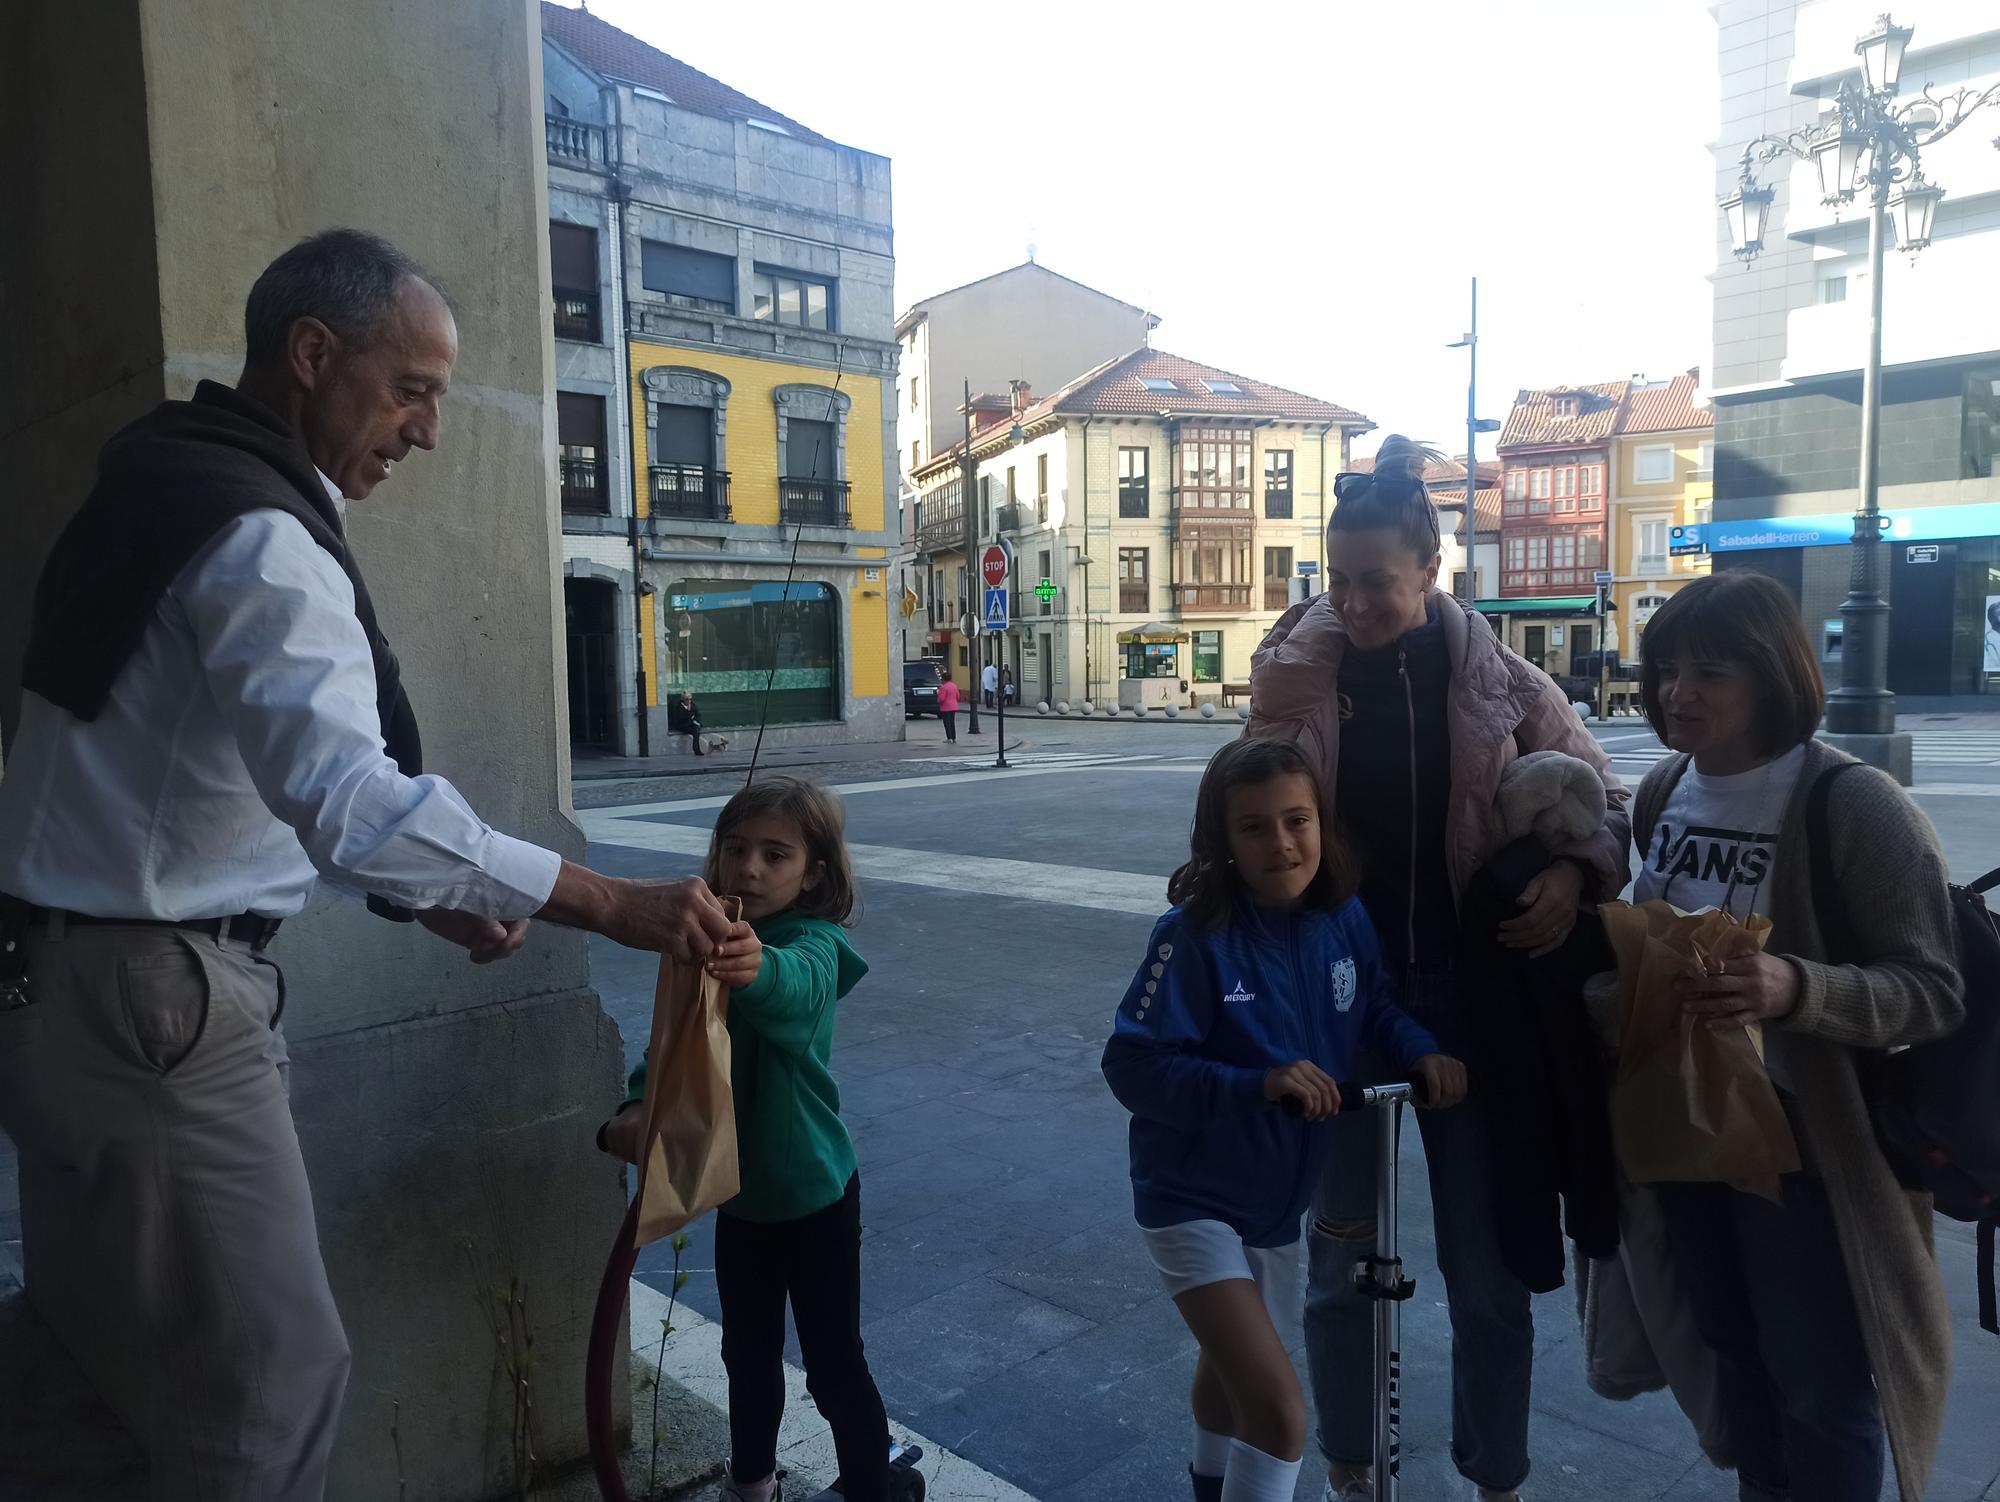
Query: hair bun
[(1400, 453)]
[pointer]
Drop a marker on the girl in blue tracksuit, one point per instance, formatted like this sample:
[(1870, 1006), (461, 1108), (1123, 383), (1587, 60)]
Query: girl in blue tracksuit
[(1263, 981)]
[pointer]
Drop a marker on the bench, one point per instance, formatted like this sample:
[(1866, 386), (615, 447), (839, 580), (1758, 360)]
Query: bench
[(1231, 692)]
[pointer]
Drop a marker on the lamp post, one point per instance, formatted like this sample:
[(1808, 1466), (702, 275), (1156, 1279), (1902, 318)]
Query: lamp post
[(1872, 147), (1474, 426), (969, 622)]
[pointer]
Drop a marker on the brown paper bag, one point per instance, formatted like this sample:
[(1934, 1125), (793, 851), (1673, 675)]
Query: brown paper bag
[(688, 1163), (1687, 1103)]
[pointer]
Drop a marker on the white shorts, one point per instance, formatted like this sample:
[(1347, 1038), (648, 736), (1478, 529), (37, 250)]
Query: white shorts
[(1196, 1253)]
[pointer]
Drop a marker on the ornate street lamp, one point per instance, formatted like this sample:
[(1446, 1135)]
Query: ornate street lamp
[(1747, 209), (1872, 143), (1914, 203), (1881, 52)]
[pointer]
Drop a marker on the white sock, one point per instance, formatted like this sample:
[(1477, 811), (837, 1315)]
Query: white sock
[(1211, 1452), (1254, 1476)]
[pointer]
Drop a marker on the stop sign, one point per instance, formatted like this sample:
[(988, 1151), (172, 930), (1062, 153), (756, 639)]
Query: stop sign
[(993, 565)]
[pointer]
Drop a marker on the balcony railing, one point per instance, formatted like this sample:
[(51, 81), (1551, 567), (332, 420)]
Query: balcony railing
[(576, 315), (1278, 503), (575, 142), (1200, 597), (583, 486), (1132, 599), (1133, 499), (816, 503), (1277, 594), (691, 492)]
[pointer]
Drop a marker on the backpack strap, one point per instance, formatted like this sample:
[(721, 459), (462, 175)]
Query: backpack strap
[(1989, 1315), (1829, 906), (1986, 883)]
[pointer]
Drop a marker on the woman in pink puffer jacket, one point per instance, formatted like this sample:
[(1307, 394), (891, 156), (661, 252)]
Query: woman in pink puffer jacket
[(1411, 708)]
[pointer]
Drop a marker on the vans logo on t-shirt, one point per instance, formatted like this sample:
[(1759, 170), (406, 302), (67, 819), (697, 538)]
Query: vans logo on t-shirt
[(1703, 853), (1343, 984), (1239, 996)]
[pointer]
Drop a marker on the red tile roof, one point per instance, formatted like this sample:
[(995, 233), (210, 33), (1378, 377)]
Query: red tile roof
[(1113, 389), (1667, 407), (599, 45), (1534, 423), (1486, 507)]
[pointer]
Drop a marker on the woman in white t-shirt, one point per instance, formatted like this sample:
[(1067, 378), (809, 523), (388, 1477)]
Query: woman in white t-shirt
[(1810, 1375)]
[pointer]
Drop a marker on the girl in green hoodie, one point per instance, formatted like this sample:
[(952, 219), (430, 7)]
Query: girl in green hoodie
[(794, 1228)]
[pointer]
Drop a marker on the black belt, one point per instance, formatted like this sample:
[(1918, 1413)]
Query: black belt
[(245, 928)]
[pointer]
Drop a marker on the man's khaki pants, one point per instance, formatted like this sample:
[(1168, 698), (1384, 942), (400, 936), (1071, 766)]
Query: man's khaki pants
[(167, 1228)]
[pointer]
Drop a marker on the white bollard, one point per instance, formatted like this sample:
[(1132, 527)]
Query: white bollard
[(1062, 706), (1243, 711), (1138, 711), (1042, 707), (1173, 711), (1208, 711), (1084, 707)]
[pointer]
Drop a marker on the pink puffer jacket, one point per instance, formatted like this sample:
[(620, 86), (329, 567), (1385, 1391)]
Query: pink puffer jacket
[(1500, 707)]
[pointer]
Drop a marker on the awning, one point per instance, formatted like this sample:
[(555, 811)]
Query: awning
[(1153, 632), (1542, 605)]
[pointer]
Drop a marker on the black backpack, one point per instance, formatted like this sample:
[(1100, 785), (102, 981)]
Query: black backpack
[(1936, 1105)]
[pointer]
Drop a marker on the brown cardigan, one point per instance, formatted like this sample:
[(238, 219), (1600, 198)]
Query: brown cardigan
[(1893, 876)]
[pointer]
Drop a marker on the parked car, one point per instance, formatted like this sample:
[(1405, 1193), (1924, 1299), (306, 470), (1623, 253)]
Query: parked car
[(920, 687)]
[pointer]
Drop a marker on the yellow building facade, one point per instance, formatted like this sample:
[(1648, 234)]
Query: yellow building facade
[(1661, 479)]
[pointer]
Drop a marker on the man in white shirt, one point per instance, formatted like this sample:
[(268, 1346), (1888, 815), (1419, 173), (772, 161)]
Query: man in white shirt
[(989, 682), (225, 729)]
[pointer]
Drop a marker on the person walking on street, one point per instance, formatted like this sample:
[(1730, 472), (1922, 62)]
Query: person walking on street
[(1409, 708), (683, 718), (989, 683), (1826, 1313), (948, 708), (211, 719)]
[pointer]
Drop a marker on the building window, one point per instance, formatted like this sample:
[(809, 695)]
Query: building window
[(1653, 464), (688, 278), (1042, 492), (586, 488), (1566, 483), (779, 296), (1278, 483), (916, 455), (1541, 485), (1208, 657), (738, 630), (573, 281), (1589, 480), (986, 505), (1134, 495), (1593, 551), (1461, 584), (1704, 458), (1277, 578), (1834, 289), (913, 392), (812, 446), (1562, 550), (1517, 484), (1653, 545), (1157, 383), (1215, 469), (1132, 592), (1538, 552)]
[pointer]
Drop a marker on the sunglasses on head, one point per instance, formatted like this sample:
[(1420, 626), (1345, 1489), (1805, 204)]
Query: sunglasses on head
[(1394, 486)]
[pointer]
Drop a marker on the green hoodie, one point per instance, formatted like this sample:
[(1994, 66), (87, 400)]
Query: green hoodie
[(793, 1153)]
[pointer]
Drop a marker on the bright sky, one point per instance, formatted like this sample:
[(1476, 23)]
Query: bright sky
[(1287, 183)]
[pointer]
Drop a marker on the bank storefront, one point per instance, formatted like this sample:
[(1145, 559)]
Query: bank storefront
[(1942, 581), (731, 640)]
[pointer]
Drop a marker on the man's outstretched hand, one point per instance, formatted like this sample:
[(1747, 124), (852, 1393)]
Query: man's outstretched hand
[(680, 918), (484, 939)]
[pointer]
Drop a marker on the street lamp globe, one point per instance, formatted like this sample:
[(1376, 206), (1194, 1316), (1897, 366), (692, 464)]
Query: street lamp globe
[(1882, 54), (1836, 151), (1914, 204), (1746, 210)]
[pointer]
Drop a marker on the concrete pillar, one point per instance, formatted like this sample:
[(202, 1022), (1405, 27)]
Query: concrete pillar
[(158, 154)]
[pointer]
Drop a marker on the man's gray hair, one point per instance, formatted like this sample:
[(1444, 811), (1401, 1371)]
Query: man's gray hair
[(346, 278)]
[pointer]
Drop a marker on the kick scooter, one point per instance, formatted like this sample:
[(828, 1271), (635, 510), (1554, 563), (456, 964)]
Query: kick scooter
[(1379, 1276)]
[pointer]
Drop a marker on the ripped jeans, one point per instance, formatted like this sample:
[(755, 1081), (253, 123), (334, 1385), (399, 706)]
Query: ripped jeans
[(1492, 1328)]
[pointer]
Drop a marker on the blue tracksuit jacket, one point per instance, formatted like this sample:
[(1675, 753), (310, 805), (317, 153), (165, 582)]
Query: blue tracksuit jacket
[(1210, 1013)]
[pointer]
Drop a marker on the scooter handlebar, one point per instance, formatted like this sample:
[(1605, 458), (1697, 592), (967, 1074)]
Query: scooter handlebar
[(1354, 1094)]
